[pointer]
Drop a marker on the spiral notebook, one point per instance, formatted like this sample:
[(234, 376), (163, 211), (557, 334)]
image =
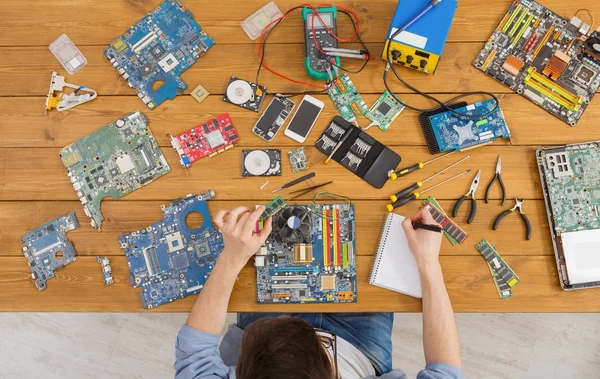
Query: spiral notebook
[(395, 267)]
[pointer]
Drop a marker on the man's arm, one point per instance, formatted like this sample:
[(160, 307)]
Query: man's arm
[(440, 335), (210, 309), (196, 352)]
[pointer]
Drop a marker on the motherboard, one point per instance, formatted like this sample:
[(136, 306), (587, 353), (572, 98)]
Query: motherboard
[(168, 259), (153, 53), (113, 161), (309, 257), (544, 57), (446, 131), (48, 249)]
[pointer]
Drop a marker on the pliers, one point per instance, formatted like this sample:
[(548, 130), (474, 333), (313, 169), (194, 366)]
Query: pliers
[(519, 206), (498, 177), (469, 195)]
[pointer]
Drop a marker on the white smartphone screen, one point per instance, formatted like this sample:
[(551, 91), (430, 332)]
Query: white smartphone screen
[(304, 118)]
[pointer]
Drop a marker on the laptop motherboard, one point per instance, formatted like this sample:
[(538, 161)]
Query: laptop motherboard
[(168, 259), (153, 53), (571, 180), (113, 161)]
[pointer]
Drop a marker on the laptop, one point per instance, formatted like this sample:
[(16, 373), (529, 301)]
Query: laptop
[(570, 177)]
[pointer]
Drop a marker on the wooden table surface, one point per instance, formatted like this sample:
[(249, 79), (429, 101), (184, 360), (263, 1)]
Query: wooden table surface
[(34, 187)]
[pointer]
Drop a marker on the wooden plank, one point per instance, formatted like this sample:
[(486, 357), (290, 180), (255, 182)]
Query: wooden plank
[(99, 23), (78, 287), (40, 175), (23, 124), (18, 218), (28, 69)]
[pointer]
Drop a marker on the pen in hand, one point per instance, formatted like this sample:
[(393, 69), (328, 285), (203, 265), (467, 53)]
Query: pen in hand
[(432, 228)]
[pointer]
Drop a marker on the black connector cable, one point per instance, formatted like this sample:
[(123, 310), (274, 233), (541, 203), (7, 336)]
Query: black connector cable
[(444, 105)]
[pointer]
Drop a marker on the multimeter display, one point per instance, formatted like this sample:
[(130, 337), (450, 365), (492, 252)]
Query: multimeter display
[(326, 17), (316, 64)]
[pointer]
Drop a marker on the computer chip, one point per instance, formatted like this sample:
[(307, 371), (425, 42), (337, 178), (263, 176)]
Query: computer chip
[(200, 93)]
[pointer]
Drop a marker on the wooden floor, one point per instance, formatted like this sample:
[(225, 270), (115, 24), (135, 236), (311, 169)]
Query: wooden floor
[(34, 187)]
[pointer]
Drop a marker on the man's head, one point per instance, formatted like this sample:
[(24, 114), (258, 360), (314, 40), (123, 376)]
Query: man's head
[(283, 347)]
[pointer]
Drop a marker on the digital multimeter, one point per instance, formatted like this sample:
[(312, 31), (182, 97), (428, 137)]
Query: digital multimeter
[(317, 65)]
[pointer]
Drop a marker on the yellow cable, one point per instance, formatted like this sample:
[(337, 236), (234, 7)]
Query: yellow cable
[(590, 13)]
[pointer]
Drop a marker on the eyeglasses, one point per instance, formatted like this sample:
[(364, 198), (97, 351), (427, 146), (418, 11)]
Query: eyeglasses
[(329, 341)]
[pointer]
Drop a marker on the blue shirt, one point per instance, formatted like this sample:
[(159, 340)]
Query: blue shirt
[(198, 356)]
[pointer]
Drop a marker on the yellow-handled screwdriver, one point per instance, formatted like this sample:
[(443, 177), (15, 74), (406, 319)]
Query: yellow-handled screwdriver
[(416, 195), (415, 167), (405, 192)]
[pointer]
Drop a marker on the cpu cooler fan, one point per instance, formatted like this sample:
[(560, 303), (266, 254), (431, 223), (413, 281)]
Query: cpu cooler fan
[(293, 224)]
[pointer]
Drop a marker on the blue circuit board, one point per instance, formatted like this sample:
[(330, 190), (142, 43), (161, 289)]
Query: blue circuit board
[(453, 132), (309, 257), (162, 45), (169, 260), (47, 248)]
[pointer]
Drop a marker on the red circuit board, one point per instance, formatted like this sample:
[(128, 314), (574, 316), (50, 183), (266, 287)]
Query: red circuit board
[(207, 139)]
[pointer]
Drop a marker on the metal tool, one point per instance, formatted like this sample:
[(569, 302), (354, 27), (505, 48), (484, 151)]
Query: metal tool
[(498, 177), (519, 206), (337, 146), (418, 185), (416, 195), (294, 182), (303, 192), (363, 57), (469, 195), (415, 167), (347, 51)]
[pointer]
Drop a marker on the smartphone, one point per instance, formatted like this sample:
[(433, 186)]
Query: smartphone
[(273, 118), (304, 119)]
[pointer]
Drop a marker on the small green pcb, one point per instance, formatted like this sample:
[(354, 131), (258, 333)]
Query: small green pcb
[(384, 111), (272, 208), (347, 99), (298, 159), (504, 277), (113, 161)]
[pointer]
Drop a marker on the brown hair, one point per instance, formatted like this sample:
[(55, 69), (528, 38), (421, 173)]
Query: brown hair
[(283, 347)]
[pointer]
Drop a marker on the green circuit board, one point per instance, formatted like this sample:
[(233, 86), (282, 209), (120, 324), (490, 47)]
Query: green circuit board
[(384, 111), (113, 161), (347, 99), (572, 177)]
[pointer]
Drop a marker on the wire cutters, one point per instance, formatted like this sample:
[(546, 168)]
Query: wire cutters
[(469, 195), (498, 177), (519, 206)]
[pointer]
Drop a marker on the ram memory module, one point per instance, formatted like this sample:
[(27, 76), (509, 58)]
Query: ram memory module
[(452, 231), (504, 277)]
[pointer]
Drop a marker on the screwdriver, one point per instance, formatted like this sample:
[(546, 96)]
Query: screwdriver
[(405, 192), (337, 146), (415, 167), (294, 182), (416, 195)]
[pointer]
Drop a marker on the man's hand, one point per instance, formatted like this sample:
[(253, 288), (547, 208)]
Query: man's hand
[(237, 227), (424, 244)]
